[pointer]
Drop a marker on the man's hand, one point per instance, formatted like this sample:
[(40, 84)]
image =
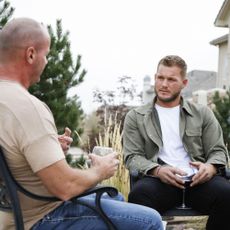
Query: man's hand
[(169, 175), (205, 172), (65, 140), (106, 165)]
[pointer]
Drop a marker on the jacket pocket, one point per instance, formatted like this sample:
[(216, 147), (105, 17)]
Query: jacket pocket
[(193, 141), (193, 133)]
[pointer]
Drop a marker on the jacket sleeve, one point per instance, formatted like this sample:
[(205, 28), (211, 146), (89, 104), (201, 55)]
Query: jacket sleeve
[(134, 146), (212, 138)]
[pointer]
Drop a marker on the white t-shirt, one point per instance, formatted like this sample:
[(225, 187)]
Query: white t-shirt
[(173, 152)]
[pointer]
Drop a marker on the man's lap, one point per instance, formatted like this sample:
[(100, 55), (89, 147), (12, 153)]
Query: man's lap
[(151, 192), (205, 196), (70, 215), (163, 196)]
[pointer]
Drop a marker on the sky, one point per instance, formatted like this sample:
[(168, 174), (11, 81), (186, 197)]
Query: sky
[(128, 37)]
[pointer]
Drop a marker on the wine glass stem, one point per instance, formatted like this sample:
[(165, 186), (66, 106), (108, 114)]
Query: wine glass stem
[(183, 198)]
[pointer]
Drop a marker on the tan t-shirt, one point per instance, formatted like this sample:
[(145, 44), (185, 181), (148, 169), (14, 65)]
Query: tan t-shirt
[(28, 136)]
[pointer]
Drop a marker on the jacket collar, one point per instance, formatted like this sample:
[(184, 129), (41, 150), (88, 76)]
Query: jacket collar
[(146, 109), (185, 105)]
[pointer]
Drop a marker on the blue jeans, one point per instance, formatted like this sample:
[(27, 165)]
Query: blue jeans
[(70, 215)]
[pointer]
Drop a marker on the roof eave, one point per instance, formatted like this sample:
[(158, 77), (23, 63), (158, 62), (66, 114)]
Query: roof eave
[(219, 40), (220, 18)]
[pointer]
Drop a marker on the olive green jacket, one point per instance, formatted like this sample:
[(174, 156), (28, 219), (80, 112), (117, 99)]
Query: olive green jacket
[(200, 132)]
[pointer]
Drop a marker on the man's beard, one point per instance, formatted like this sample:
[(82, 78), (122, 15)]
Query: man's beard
[(169, 99)]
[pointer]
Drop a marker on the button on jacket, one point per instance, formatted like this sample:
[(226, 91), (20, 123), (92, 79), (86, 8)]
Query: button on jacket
[(200, 132)]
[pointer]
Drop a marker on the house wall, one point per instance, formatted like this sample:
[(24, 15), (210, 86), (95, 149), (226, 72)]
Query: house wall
[(222, 79), (227, 71), (223, 20), (228, 54)]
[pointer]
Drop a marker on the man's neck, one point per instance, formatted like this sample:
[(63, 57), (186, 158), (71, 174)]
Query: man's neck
[(13, 76), (169, 104), (13, 79)]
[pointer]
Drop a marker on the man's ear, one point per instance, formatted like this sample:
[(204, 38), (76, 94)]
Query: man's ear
[(185, 82), (30, 55)]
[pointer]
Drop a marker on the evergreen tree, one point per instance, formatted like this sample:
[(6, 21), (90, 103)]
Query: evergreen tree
[(61, 74), (6, 12), (222, 112)]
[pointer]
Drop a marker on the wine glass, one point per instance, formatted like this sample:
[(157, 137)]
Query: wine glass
[(187, 181)]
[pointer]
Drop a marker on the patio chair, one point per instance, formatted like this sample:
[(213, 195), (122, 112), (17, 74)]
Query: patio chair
[(9, 200)]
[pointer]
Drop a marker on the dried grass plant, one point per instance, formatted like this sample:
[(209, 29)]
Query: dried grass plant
[(112, 137)]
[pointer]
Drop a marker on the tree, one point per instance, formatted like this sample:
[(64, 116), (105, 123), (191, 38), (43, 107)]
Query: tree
[(117, 103), (114, 106), (6, 12), (124, 94), (60, 75), (222, 113), (127, 90)]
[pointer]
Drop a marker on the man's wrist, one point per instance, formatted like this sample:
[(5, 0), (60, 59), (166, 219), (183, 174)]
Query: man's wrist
[(214, 168), (157, 170), (220, 169), (154, 171)]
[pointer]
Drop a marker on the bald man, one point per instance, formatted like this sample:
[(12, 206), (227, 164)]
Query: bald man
[(35, 156)]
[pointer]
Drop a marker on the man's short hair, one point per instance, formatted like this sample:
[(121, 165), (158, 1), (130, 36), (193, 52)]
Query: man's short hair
[(174, 60)]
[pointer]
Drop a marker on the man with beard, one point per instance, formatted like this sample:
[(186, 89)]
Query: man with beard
[(162, 138)]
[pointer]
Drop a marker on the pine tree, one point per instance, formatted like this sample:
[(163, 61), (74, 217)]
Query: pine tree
[(60, 75), (6, 12), (222, 112)]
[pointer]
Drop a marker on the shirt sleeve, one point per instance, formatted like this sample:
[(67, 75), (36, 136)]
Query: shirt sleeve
[(44, 152)]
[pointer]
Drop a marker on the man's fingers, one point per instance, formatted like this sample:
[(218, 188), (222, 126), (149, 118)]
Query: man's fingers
[(178, 185), (195, 164), (168, 176), (67, 131), (112, 155), (179, 172), (92, 155), (174, 180), (116, 155), (199, 177), (117, 162)]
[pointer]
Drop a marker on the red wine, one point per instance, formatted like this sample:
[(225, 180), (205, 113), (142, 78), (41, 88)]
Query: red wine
[(187, 183)]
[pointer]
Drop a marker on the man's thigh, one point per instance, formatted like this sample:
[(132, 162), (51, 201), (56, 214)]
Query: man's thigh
[(151, 192), (71, 215), (214, 194)]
